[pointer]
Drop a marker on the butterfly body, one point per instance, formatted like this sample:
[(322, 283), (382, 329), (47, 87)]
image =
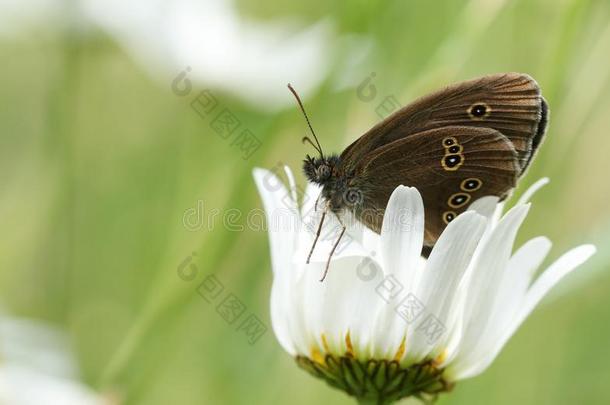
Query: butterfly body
[(335, 180), (469, 140)]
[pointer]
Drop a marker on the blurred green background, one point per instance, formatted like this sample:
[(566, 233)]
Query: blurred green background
[(99, 160)]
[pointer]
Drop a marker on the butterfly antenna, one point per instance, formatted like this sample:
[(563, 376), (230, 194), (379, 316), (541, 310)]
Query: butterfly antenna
[(306, 139)]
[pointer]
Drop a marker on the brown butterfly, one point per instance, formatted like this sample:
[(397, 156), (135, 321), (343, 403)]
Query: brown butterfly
[(469, 140)]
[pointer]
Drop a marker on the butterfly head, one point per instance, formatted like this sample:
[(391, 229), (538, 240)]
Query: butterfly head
[(320, 170)]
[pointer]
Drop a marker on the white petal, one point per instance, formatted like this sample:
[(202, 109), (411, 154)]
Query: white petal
[(280, 315), (489, 207), (402, 231), (335, 306), (564, 265), (495, 218), (365, 304), (292, 305), (521, 269), (291, 183), (485, 206), (516, 279), (437, 286), (283, 219), (484, 280), (402, 236), (529, 193), (282, 239)]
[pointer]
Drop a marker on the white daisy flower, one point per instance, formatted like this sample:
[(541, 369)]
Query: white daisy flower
[(386, 323), (38, 367)]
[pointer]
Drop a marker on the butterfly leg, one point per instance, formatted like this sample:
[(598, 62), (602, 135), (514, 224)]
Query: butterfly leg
[(332, 252), (315, 207), (317, 235)]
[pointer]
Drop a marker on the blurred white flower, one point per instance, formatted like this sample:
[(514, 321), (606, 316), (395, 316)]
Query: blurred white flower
[(388, 324), (37, 367), (17, 16), (223, 49)]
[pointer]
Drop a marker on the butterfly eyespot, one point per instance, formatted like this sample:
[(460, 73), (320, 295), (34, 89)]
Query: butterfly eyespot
[(448, 216), (458, 200), (471, 184), (449, 141), (353, 196), (452, 162), (455, 149), (479, 111)]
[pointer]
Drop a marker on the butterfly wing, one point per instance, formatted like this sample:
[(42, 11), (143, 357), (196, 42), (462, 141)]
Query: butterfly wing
[(450, 166), (510, 103)]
